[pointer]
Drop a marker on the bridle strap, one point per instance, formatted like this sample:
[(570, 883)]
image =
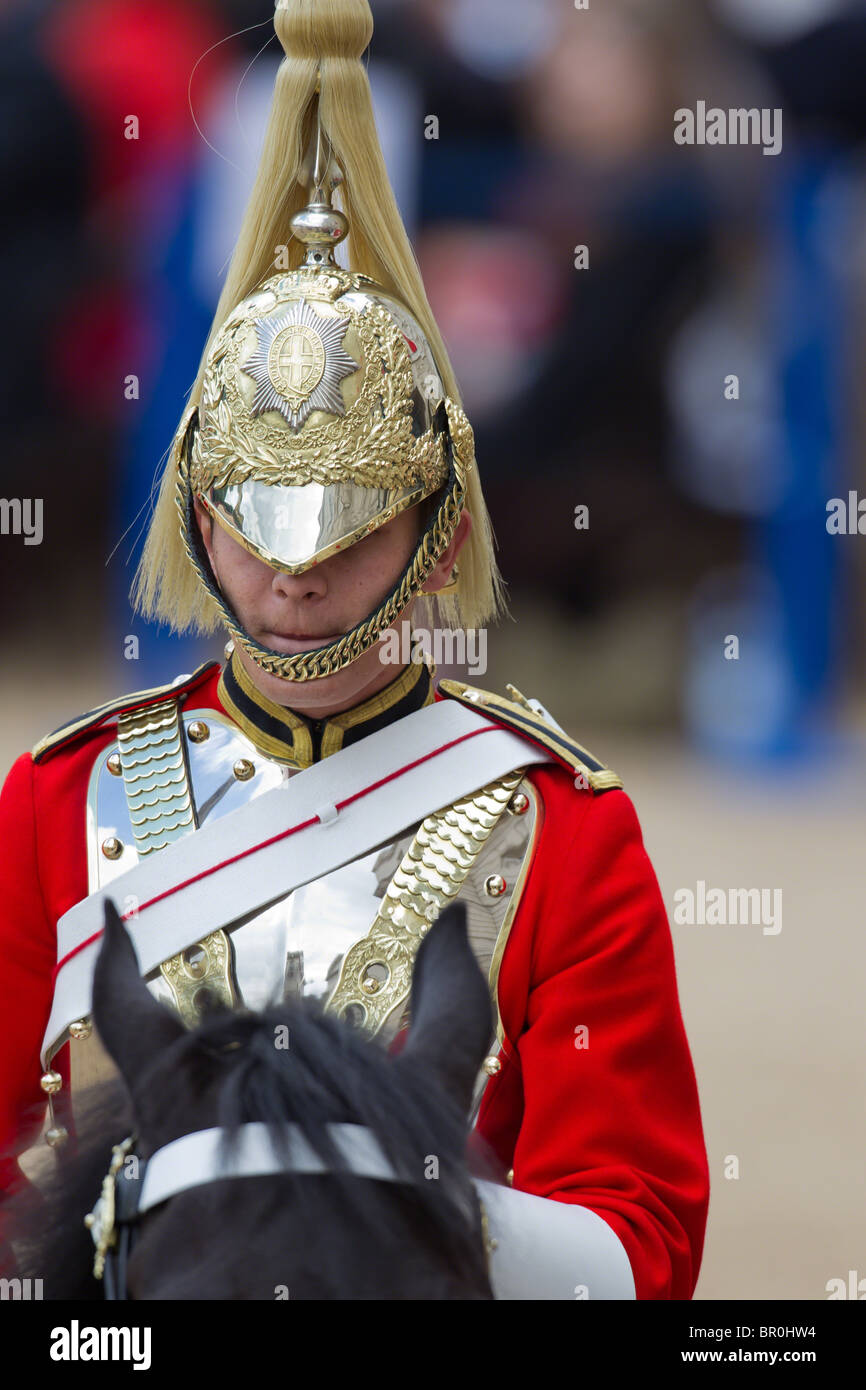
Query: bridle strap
[(545, 1247), (212, 1155), (208, 1156)]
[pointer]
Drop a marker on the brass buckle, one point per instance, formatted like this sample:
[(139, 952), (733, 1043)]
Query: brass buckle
[(101, 1221)]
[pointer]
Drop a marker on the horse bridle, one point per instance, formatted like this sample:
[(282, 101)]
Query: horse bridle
[(133, 1186)]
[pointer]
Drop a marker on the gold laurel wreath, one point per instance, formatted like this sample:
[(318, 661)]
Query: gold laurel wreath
[(372, 445)]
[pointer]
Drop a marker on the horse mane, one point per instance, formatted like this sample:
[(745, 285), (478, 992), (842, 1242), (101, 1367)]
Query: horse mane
[(328, 1073)]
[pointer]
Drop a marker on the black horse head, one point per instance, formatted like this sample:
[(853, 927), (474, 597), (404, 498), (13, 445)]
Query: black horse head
[(329, 1236)]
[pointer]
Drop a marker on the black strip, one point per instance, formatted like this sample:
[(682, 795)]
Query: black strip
[(531, 727), (266, 723), (275, 728), (412, 700), (140, 698)]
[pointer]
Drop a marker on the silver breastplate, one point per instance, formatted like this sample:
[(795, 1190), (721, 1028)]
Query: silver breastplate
[(349, 938)]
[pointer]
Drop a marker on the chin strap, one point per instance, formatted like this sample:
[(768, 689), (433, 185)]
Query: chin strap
[(325, 661)]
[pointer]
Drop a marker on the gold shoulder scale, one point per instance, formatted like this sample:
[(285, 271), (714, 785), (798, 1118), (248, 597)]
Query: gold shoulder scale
[(376, 974), (156, 780)]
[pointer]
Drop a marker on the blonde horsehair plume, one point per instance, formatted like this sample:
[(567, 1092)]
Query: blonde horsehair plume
[(326, 37)]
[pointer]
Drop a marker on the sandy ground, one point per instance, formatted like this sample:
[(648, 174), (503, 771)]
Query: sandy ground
[(775, 1021)]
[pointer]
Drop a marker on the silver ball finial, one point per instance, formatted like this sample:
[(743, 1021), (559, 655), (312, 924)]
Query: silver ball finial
[(320, 226)]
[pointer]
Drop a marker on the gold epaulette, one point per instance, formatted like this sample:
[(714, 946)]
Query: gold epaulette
[(518, 715), (141, 699)]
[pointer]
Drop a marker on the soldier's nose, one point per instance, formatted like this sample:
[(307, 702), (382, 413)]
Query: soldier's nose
[(311, 584)]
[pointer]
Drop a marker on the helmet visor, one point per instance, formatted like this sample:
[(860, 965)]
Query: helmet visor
[(294, 528)]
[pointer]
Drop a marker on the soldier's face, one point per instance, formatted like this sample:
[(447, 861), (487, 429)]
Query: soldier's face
[(295, 613)]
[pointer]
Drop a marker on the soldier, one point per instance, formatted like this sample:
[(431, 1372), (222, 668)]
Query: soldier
[(293, 821)]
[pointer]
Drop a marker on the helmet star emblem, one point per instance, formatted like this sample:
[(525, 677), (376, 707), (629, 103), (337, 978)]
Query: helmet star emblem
[(298, 364)]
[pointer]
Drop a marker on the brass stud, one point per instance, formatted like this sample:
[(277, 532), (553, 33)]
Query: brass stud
[(519, 804), (494, 886), (56, 1136), (491, 1065), (370, 985), (198, 731), (114, 764), (51, 1082), (81, 1029), (509, 1177), (112, 848), (244, 770)]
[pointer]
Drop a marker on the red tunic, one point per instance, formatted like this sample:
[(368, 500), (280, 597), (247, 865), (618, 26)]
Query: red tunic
[(613, 1124)]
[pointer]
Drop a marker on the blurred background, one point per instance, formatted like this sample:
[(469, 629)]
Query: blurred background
[(598, 378)]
